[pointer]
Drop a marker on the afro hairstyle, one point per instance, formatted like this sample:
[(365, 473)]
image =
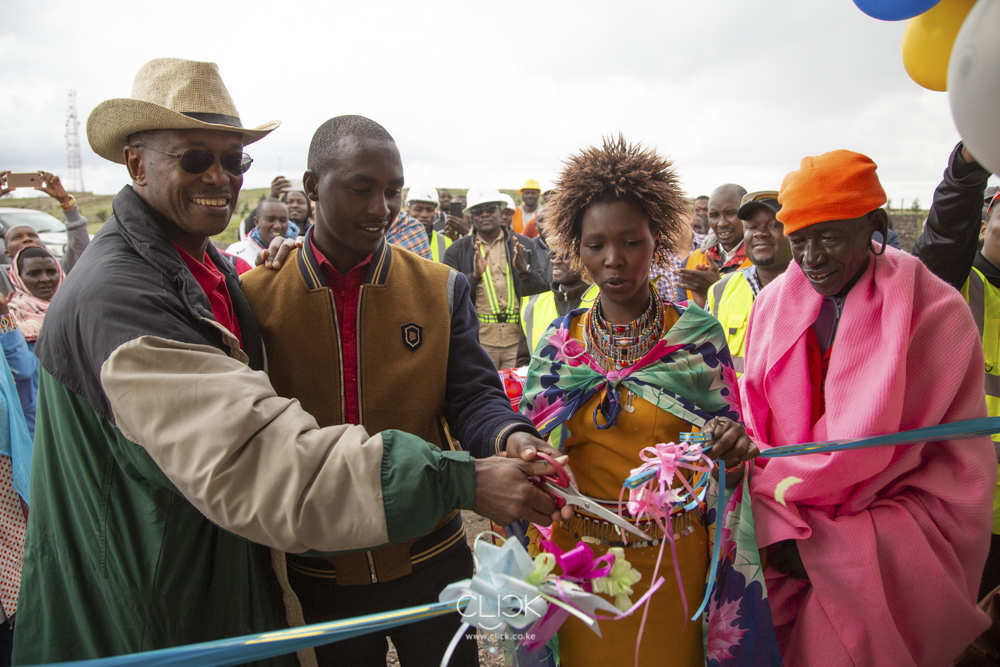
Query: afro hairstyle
[(617, 171)]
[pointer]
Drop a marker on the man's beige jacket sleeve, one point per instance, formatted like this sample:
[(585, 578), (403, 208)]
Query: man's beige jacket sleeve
[(252, 462)]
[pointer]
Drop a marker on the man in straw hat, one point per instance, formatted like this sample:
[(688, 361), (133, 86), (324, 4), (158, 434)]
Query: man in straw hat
[(874, 555), (165, 464)]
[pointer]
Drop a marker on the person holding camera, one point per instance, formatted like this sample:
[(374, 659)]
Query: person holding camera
[(77, 237)]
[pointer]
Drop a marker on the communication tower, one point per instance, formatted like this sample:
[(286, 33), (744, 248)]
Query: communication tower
[(74, 178)]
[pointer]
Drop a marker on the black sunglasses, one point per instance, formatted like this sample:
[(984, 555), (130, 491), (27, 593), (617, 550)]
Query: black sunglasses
[(488, 208), (197, 161)]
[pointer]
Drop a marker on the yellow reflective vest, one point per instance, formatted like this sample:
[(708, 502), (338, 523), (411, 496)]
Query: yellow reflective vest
[(984, 300), (729, 301), (539, 310), (439, 243)]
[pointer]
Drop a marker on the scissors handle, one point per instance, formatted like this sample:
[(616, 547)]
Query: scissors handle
[(549, 482), (561, 478)]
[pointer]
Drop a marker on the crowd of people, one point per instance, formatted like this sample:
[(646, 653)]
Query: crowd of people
[(222, 441)]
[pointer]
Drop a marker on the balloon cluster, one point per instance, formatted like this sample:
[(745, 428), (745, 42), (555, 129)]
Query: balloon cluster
[(952, 45)]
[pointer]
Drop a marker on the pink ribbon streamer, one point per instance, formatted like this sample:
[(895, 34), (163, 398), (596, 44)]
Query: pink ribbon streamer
[(657, 499)]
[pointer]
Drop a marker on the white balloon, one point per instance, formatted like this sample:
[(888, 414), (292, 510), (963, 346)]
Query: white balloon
[(974, 83)]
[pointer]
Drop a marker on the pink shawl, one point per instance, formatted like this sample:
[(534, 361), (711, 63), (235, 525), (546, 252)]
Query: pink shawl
[(894, 539), (28, 309)]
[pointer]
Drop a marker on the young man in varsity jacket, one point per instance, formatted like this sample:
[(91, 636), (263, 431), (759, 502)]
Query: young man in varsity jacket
[(391, 342)]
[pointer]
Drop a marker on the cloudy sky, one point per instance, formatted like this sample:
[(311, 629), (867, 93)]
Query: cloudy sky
[(491, 92)]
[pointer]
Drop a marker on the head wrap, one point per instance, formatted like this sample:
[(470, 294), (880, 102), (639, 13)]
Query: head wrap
[(839, 185), (28, 309)]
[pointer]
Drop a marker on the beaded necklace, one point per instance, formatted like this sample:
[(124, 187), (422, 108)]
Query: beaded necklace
[(622, 345)]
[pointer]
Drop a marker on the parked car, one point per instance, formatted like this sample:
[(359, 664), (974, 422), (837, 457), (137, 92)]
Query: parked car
[(51, 231)]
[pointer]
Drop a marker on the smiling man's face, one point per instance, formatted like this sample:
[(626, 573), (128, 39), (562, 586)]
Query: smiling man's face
[(200, 205)]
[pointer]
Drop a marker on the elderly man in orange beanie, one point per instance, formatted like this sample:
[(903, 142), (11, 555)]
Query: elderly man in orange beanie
[(873, 556)]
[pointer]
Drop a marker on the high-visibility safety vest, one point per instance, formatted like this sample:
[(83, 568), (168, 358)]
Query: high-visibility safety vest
[(729, 301), (498, 314), (538, 311), (439, 243), (984, 300)]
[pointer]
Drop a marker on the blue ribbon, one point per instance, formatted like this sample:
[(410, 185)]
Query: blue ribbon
[(960, 430), (248, 648), (968, 428), (720, 507)]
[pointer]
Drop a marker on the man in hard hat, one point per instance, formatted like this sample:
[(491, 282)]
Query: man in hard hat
[(507, 212), (948, 247), (409, 234), (525, 214), (501, 267), (421, 205), (402, 353), (165, 463), (731, 299)]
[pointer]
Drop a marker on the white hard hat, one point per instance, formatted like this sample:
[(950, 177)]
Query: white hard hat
[(484, 195), (422, 193), (507, 200)]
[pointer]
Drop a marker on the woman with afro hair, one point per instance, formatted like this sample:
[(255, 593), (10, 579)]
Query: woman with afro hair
[(627, 373)]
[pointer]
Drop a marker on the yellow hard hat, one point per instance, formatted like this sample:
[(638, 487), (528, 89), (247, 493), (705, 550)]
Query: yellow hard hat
[(531, 184)]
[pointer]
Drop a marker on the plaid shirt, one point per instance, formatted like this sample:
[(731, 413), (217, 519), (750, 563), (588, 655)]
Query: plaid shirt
[(666, 278), (408, 233)]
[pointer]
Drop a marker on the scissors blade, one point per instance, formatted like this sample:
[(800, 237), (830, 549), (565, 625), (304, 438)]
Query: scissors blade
[(574, 497)]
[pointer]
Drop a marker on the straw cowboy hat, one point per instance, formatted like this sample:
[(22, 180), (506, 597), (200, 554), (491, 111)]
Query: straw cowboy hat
[(168, 94)]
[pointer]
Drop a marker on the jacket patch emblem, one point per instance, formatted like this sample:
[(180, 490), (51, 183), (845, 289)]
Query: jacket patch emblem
[(413, 335)]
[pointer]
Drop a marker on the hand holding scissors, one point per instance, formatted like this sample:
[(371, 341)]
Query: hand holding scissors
[(559, 488)]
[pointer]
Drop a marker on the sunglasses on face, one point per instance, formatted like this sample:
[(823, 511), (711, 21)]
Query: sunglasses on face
[(489, 208), (197, 161)]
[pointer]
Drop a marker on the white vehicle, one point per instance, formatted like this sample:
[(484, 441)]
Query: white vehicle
[(51, 231)]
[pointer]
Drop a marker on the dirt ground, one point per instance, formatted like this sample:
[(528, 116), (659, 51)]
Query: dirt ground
[(474, 524)]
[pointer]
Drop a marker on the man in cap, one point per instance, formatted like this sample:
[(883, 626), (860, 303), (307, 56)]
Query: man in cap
[(501, 268), (948, 246), (165, 464), (874, 555), (525, 215), (421, 205), (731, 299), (723, 250)]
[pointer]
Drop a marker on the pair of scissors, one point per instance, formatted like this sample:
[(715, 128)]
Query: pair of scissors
[(558, 487)]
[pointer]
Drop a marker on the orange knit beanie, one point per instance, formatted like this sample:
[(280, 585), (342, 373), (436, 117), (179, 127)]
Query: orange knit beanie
[(839, 185)]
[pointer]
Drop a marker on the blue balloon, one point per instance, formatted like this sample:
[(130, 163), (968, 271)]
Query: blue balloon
[(894, 10)]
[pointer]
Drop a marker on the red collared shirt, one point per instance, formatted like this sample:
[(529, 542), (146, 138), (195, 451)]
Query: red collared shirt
[(214, 283), (346, 297)]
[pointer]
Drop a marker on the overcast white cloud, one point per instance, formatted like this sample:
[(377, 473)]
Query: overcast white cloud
[(490, 92)]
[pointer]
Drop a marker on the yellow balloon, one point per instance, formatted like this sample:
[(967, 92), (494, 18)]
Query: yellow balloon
[(928, 39)]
